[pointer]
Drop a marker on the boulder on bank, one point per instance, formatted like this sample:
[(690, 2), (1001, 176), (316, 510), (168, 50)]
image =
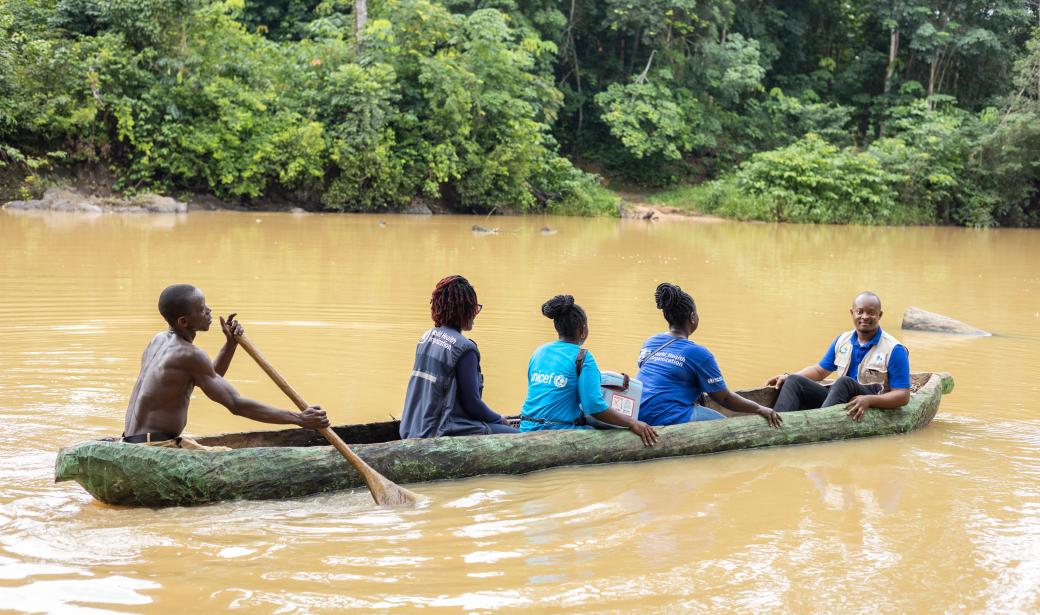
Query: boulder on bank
[(64, 199), (60, 199), (151, 203), (418, 207), (922, 320)]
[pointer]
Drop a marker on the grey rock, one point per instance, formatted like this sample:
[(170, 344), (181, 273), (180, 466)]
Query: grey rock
[(63, 199), (916, 319), (418, 207), (157, 204)]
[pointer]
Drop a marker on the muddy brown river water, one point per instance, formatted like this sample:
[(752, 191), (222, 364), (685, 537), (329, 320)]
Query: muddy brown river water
[(946, 519)]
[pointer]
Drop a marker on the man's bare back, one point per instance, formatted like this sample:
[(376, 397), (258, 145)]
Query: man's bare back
[(172, 366), (160, 399)]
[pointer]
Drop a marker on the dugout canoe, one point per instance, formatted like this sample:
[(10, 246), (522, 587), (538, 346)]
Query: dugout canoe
[(297, 462)]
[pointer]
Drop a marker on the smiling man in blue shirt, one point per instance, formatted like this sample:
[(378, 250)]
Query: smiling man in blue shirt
[(873, 369)]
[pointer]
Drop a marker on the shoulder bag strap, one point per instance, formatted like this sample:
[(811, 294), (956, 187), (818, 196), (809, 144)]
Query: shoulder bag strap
[(580, 361), (659, 349)]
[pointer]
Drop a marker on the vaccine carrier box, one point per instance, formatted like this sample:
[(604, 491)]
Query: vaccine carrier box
[(621, 393)]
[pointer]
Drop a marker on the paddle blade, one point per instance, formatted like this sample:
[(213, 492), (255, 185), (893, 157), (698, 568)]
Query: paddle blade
[(388, 493)]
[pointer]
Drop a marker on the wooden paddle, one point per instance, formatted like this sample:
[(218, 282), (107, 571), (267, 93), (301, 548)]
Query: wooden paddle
[(384, 491)]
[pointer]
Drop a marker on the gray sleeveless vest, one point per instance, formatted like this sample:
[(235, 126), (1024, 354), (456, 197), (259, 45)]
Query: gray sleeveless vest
[(433, 389), (874, 366)]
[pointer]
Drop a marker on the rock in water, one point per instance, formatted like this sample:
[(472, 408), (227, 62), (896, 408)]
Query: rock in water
[(923, 320), (483, 230)]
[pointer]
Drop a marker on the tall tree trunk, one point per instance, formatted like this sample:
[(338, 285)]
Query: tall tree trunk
[(932, 70), (942, 77), (577, 74), (360, 17), (890, 71), (893, 52)]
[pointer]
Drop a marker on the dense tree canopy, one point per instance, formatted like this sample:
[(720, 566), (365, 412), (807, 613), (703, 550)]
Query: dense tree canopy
[(887, 111)]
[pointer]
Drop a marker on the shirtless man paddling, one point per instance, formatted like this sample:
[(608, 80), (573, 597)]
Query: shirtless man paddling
[(173, 365)]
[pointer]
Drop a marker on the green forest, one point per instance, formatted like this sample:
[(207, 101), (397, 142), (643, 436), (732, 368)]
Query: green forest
[(820, 111)]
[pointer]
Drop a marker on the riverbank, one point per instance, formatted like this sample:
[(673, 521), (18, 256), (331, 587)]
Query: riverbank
[(90, 191), (77, 199)]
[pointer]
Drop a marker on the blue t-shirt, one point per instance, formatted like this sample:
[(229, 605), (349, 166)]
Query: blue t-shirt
[(674, 378), (898, 361), (554, 390)]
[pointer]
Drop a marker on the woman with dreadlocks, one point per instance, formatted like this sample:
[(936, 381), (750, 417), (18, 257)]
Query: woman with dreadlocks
[(444, 392), (675, 371), (563, 379)]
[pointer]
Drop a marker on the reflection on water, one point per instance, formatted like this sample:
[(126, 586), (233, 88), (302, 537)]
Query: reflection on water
[(944, 519)]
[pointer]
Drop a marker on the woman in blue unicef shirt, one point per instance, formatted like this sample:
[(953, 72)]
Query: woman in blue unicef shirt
[(556, 392), (675, 371)]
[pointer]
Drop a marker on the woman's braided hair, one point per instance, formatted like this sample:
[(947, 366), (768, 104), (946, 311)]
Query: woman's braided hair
[(453, 303), (567, 316), (676, 304)]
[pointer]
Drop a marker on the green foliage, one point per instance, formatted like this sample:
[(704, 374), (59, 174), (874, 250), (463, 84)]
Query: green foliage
[(577, 193), (648, 120), (140, 23), (212, 117), (941, 167), (446, 106), (905, 111), (813, 181), (193, 95), (781, 118)]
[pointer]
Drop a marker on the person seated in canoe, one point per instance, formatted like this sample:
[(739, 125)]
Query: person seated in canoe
[(872, 368), (563, 380), (446, 385), (675, 371), (172, 366)]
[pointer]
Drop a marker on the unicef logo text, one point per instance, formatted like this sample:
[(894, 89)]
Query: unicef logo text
[(543, 378)]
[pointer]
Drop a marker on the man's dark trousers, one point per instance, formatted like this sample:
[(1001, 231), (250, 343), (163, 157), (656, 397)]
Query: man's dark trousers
[(801, 393)]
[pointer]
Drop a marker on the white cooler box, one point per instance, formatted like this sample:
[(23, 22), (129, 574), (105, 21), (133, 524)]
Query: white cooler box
[(622, 393)]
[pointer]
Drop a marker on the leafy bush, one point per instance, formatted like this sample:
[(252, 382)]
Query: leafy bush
[(577, 193), (813, 181), (941, 166)]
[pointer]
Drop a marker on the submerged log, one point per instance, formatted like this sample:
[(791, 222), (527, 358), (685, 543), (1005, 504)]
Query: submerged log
[(917, 319)]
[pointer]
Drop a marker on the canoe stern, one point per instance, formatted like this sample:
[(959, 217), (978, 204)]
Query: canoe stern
[(67, 466)]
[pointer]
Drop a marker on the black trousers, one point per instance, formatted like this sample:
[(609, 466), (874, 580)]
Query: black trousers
[(800, 393)]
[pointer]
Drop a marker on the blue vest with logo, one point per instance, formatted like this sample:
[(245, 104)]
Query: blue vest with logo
[(433, 388)]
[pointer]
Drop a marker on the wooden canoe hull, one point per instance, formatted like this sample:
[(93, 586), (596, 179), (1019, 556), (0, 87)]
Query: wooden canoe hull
[(290, 463)]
